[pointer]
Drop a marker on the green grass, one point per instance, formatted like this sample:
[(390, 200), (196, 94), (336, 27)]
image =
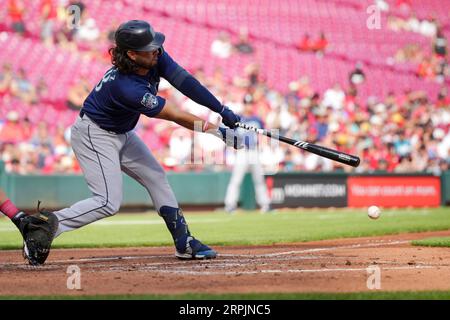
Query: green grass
[(243, 228), (401, 295), (433, 242)]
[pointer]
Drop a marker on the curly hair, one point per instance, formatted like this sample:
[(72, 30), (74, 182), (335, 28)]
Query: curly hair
[(120, 59)]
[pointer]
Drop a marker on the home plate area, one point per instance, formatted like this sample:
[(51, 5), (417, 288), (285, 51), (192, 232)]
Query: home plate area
[(387, 263)]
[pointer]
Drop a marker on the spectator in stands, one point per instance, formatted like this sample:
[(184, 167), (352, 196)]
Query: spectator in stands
[(22, 88), (443, 99), (6, 78), (14, 166), (243, 45), (60, 141), (426, 69), (305, 43), (110, 34), (64, 38), (48, 17), (42, 140), (321, 125), (78, 93), (428, 28), (442, 70), (413, 24), (382, 5), (410, 53), (357, 75), (87, 31), (419, 159), (16, 10), (396, 24), (440, 44), (302, 87), (405, 165), (404, 4), (12, 131), (180, 145), (252, 77), (334, 97), (44, 157), (319, 45), (41, 89), (222, 47)]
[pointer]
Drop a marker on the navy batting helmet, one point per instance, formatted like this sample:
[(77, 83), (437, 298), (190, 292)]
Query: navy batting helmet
[(138, 35)]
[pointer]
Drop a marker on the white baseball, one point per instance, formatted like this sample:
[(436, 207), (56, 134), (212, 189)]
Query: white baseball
[(374, 212)]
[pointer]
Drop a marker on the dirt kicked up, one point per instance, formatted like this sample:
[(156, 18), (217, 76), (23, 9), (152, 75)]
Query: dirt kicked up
[(344, 265)]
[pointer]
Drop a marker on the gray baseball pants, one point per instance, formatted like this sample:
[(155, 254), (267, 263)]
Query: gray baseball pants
[(245, 160), (103, 156)]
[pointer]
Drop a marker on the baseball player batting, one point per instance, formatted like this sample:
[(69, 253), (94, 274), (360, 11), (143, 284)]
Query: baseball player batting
[(105, 144)]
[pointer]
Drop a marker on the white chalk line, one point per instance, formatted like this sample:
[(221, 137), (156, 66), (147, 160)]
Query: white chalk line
[(268, 255), (203, 272), (94, 259), (179, 262), (320, 249)]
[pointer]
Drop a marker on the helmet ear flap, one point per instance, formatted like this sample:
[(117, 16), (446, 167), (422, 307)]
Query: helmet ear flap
[(160, 51)]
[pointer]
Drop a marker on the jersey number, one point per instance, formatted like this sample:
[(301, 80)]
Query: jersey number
[(110, 75)]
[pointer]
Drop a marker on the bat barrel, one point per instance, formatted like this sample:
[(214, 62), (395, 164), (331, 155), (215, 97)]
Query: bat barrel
[(313, 148)]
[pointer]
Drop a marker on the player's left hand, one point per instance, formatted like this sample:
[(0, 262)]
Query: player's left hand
[(232, 138), (229, 118)]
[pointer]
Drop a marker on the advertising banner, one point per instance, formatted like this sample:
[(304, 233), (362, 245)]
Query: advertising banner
[(292, 191), (394, 191)]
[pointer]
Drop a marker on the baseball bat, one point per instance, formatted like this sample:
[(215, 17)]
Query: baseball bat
[(313, 148)]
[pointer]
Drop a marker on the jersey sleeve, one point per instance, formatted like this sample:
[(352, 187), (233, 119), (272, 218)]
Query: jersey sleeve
[(184, 82), (139, 99)]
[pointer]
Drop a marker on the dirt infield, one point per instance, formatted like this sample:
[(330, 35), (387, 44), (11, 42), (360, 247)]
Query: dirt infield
[(323, 266)]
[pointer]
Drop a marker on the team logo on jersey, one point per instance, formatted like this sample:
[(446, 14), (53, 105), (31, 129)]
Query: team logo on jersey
[(149, 100)]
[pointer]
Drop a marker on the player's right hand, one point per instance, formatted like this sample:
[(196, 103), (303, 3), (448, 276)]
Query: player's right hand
[(232, 138), (229, 118)]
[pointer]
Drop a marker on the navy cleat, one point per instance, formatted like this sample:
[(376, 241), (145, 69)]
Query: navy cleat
[(186, 246), (195, 250)]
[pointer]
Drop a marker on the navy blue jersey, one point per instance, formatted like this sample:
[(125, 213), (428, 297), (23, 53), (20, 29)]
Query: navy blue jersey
[(118, 100)]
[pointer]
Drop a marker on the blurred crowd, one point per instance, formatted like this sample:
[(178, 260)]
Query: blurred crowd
[(395, 133), (57, 26)]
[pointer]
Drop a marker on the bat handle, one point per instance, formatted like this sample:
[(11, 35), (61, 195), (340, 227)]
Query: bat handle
[(247, 127)]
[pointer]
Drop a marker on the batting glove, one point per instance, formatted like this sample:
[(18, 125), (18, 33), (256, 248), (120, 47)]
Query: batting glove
[(232, 138), (229, 118)]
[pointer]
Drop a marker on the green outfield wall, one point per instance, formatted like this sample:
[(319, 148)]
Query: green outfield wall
[(297, 189)]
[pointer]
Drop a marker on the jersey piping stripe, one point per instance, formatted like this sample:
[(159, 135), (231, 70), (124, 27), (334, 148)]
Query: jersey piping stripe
[(104, 179)]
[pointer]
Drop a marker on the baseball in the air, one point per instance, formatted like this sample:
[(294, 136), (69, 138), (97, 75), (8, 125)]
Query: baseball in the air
[(374, 212)]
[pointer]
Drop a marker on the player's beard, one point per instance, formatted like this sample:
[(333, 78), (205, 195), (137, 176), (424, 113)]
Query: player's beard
[(144, 63)]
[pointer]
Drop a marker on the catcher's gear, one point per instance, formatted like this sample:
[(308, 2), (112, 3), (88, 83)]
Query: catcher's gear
[(38, 231)]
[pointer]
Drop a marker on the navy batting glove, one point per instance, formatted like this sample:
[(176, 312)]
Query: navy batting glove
[(232, 138), (229, 118)]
